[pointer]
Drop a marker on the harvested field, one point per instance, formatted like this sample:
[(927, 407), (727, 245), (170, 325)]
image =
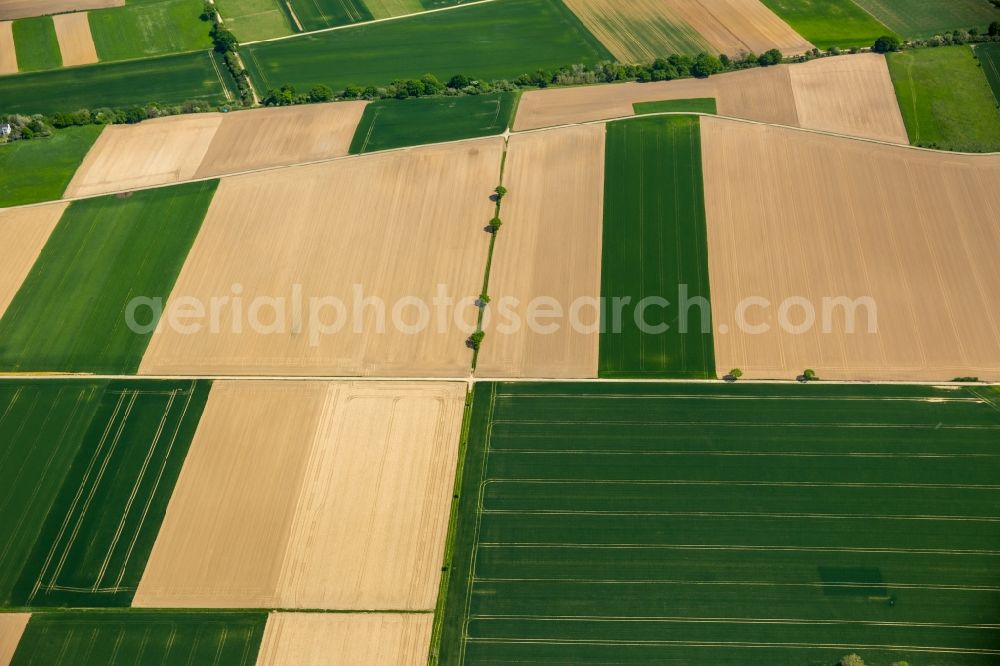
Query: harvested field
[(23, 234), (849, 95), (8, 54), (154, 152), (739, 26), (12, 9), (261, 138), (549, 246), (391, 226), (638, 30), (343, 639), (357, 521), (75, 41), (822, 217), (11, 627)]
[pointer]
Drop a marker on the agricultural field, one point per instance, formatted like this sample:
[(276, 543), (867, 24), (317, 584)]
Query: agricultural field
[(660, 523), (695, 105), (8, 52), (70, 313), (82, 638), (15, 9), (36, 44), (399, 123), (350, 513), (739, 26), (490, 41), (144, 28), (946, 99), (12, 626), (320, 14), (829, 23), (305, 639), (40, 169), (931, 17), (989, 58), (252, 20), (893, 224), (23, 234), (168, 80), (76, 44), (655, 246)]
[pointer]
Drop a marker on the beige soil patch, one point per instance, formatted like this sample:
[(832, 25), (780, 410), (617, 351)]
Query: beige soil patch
[(345, 639), (549, 246), (739, 26), (11, 629), (848, 95), (75, 41), (391, 226), (322, 495), (15, 9), (23, 234), (793, 214), (155, 152), (261, 138), (8, 54)]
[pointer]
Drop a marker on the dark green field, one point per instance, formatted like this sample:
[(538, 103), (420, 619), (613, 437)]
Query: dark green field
[(70, 313), (727, 524), (168, 80), (36, 44), (989, 58), (927, 18), (693, 105), (149, 28), (655, 246), (491, 41), (141, 637), (826, 23), (319, 14), (398, 123), (945, 99), (40, 169)]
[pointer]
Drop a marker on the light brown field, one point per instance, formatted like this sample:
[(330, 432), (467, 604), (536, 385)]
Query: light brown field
[(23, 234), (848, 95), (155, 152), (75, 41), (15, 9), (323, 495), (223, 540), (397, 225), (280, 136), (793, 214), (11, 628), (8, 54), (549, 245), (739, 26), (344, 639)]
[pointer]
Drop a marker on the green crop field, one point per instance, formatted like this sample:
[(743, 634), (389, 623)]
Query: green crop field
[(726, 524), (42, 425), (255, 19), (70, 313), (126, 638), (927, 18), (40, 169), (655, 246), (827, 23), (398, 123), (168, 79), (36, 44), (946, 99), (693, 105), (319, 14), (989, 59), (491, 41), (148, 28)]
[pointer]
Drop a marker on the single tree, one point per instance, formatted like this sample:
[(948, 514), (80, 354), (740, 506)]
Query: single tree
[(851, 660), (501, 191), (886, 43)]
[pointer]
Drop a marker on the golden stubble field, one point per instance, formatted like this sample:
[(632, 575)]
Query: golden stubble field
[(14, 9), (75, 41), (8, 54), (346, 639), (23, 234), (177, 148), (392, 226), (331, 495), (11, 628), (798, 215)]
